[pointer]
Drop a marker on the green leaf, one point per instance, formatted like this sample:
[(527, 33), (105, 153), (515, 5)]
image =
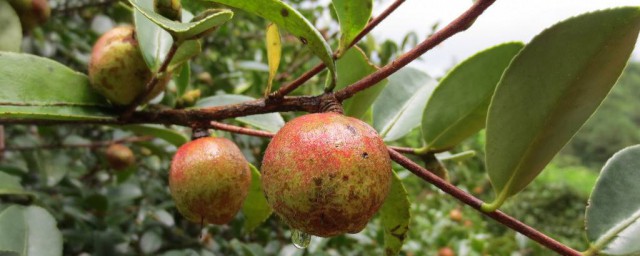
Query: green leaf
[(396, 110), (255, 209), (458, 106), (291, 20), (274, 52), (63, 95), (269, 122), (182, 31), (550, 89), (613, 214), (183, 79), (150, 242), (353, 16), (170, 135), (10, 185), (11, 29), (353, 66), (29, 231), (185, 52), (155, 42), (395, 216)]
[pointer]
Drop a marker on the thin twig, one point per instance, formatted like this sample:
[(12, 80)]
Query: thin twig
[(290, 87), (476, 203), (460, 24), (151, 85), (241, 130), (95, 144)]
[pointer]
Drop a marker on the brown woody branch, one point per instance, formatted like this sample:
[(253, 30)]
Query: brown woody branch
[(241, 130), (458, 25), (290, 87), (476, 203)]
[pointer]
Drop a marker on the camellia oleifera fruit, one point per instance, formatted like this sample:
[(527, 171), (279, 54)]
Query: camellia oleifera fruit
[(119, 156), (209, 180), (117, 69), (326, 174)]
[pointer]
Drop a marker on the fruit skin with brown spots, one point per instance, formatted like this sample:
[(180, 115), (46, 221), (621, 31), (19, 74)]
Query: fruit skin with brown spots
[(209, 180), (119, 157), (326, 174), (31, 12), (117, 69)]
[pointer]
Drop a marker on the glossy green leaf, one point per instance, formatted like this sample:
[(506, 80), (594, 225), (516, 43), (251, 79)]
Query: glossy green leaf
[(353, 16), (291, 20), (353, 66), (169, 135), (29, 231), (183, 79), (256, 209), (270, 122), (10, 185), (274, 52), (395, 216), (11, 30), (550, 89), (64, 94), (398, 108), (155, 42), (182, 31), (458, 106), (613, 214), (185, 52)]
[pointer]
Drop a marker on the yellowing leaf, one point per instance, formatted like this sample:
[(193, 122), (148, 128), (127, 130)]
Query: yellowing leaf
[(274, 52)]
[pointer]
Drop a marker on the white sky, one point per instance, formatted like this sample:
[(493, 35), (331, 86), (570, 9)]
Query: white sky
[(506, 20)]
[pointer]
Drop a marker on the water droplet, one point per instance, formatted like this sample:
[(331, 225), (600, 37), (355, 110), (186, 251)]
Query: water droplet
[(300, 239)]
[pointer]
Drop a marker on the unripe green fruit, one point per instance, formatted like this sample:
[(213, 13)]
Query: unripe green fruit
[(117, 69), (170, 9), (326, 174), (119, 156), (209, 180), (31, 12)]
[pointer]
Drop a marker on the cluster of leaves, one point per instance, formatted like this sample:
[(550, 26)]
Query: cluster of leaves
[(531, 98)]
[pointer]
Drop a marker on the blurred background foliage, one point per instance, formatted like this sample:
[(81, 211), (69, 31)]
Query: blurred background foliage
[(104, 212)]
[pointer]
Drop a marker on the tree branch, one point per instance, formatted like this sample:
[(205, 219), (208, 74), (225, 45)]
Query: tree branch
[(460, 24), (290, 87), (240, 130), (476, 203)]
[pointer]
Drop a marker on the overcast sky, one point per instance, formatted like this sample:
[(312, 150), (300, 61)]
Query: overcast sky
[(506, 20)]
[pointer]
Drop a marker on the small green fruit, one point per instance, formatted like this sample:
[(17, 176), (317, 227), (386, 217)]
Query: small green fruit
[(117, 69), (31, 12), (119, 157), (326, 174), (170, 9), (209, 180)]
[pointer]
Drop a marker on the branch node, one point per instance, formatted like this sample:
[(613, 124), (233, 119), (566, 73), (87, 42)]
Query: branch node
[(329, 103)]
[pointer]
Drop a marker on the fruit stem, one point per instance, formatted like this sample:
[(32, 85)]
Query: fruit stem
[(329, 103), (199, 132), (152, 83)]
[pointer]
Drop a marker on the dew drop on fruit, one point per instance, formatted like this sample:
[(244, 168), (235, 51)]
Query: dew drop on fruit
[(300, 239)]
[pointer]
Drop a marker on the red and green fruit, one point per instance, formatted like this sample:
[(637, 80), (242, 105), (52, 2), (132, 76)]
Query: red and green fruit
[(326, 174), (209, 180), (117, 69), (119, 156)]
